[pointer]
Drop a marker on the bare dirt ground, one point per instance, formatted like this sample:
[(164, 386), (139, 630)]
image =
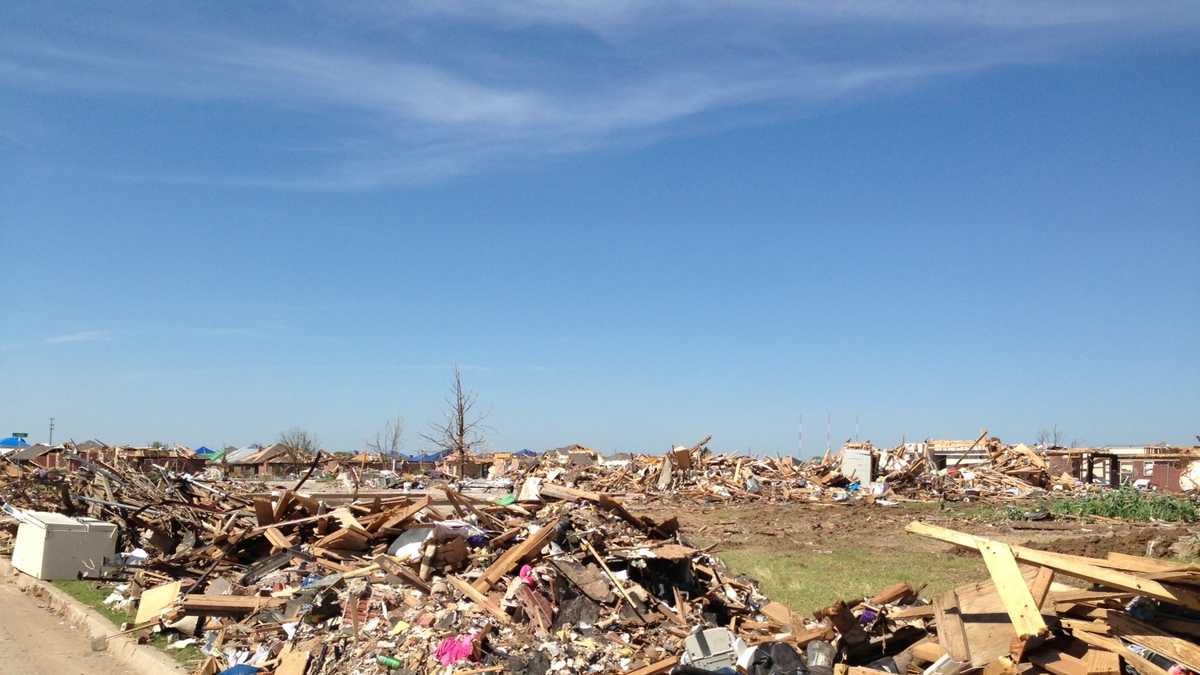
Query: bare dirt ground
[(35, 640), (808, 555), (806, 527)]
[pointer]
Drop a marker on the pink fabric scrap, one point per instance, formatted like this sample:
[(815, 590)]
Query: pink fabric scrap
[(455, 649), (528, 576)]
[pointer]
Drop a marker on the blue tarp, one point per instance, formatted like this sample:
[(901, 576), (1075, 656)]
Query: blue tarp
[(427, 457), (203, 451), (525, 452), (13, 442)]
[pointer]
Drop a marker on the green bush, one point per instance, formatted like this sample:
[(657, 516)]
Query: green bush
[(1129, 504)]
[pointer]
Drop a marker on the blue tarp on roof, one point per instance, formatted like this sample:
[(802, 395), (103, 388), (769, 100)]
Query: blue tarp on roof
[(203, 451), (427, 457), (525, 452), (13, 442)]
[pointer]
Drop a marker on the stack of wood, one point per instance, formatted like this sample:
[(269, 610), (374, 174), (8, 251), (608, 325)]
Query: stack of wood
[(1141, 612)]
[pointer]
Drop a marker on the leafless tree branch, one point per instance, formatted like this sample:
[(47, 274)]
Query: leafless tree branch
[(460, 433), (299, 439), (388, 441)]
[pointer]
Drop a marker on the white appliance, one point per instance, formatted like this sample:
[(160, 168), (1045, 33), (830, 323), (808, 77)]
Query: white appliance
[(53, 546)]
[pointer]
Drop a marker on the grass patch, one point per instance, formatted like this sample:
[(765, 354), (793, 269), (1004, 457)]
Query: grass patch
[(814, 581), (93, 596)]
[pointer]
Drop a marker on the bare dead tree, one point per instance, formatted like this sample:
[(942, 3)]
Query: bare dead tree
[(299, 439), (387, 442), (1050, 438), (461, 432)]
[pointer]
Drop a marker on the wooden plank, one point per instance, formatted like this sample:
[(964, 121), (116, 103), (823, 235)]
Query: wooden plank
[(263, 511), (1179, 595), (283, 505), (1057, 662), (479, 599), (1022, 610), (1040, 588), (1177, 649), (927, 651), (951, 634), (918, 612), (510, 558), (227, 605), (893, 593), (1136, 563), (278, 539), (1089, 596), (1140, 663), (1101, 662)]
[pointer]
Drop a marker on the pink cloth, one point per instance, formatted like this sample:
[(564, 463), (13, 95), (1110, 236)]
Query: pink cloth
[(455, 649), (527, 576)]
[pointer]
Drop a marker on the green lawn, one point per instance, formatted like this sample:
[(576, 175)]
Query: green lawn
[(808, 583), (93, 596)]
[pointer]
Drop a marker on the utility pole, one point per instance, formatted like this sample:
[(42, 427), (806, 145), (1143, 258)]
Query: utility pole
[(828, 432), (51, 443)]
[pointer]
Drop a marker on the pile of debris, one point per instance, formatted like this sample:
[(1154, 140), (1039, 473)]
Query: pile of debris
[(1143, 613), (568, 580)]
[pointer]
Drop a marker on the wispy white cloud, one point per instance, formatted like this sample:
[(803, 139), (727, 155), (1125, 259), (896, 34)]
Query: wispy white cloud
[(406, 92), (82, 336)]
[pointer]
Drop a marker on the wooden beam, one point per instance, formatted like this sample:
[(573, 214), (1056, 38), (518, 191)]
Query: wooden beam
[(479, 599), (510, 558), (1022, 610), (951, 632)]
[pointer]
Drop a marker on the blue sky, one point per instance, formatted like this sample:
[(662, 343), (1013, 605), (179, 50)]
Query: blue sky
[(631, 224)]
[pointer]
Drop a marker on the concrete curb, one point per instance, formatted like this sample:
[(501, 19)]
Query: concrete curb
[(140, 659)]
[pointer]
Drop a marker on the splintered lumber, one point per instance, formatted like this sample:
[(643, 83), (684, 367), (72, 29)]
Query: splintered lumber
[(893, 593), (1177, 649), (1071, 567), (510, 558), (951, 632), (479, 599), (278, 539), (393, 566), (227, 605), (1022, 609), (398, 518), (1140, 663)]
